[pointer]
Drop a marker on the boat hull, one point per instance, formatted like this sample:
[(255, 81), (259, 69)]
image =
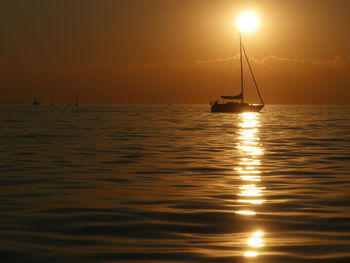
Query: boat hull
[(233, 107)]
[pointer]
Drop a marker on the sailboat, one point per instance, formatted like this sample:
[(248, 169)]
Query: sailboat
[(76, 101), (35, 101), (232, 105)]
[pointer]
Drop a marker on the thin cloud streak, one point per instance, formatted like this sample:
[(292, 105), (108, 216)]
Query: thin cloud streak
[(337, 62)]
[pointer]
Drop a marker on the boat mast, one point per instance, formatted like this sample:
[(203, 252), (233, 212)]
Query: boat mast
[(240, 57)]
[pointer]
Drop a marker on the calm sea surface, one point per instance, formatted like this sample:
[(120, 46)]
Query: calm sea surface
[(174, 184)]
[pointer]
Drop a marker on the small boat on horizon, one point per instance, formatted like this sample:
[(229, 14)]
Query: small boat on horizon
[(76, 101), (238, 107), (36, 101)]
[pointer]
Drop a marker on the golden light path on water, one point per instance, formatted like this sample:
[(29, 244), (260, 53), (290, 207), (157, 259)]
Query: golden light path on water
[(251, 191)]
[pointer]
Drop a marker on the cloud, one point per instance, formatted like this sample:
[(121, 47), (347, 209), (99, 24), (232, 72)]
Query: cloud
[(338, 61), (217, 60)]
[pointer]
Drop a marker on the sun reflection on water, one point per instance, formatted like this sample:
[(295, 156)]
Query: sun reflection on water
[(250, 192), (255, 240), (250, 178), (250, 254), (247, 213)]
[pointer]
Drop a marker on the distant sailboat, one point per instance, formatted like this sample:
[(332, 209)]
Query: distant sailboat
[(238, 107), (76, 101), (51, 103), (36, 101)]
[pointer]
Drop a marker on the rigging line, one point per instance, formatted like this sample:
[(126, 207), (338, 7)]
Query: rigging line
[(240, 59), (251, 72)]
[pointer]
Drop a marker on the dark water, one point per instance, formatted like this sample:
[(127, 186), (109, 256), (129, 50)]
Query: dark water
[(174, 184)]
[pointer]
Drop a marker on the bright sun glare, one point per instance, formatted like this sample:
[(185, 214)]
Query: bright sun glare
[(247, 21)]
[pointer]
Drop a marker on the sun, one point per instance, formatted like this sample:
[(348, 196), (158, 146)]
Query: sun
[(247, 21)]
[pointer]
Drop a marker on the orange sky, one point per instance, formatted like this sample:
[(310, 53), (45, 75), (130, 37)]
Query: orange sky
[(171, 51)]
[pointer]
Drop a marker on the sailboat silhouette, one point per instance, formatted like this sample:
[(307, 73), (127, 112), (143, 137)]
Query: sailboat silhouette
[(237, 107), (36, 101)]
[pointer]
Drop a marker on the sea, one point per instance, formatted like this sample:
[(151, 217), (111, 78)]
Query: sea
[(174, 183)]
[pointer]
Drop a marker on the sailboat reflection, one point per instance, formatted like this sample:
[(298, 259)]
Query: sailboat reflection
[(251, 191)]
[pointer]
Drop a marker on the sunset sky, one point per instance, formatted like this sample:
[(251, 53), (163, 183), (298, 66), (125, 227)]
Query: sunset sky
[(171, 51)]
